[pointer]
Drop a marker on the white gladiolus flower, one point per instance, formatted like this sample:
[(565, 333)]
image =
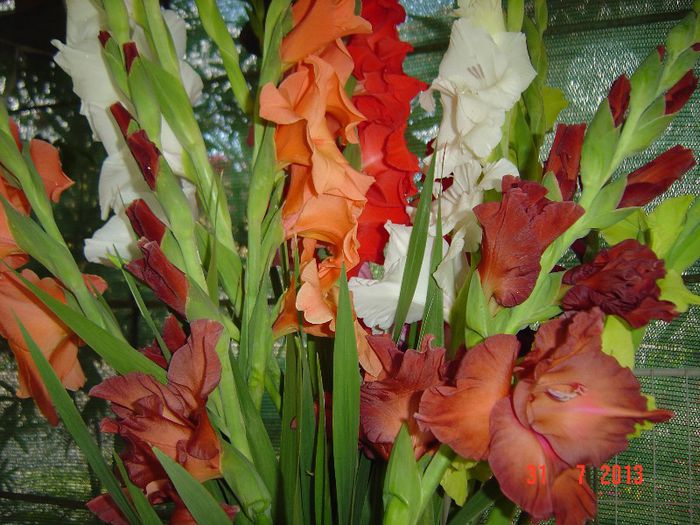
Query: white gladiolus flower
[(483, 13), (481, 77), (376, 300), (114, 237), (121, 181)]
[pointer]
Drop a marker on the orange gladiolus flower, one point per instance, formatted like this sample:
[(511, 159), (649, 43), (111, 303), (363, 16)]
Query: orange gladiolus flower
[(318, 23), (58, 344), (48, 164), (312, 110)]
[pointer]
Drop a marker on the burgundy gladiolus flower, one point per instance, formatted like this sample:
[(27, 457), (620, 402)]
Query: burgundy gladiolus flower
[(393, 399), (572, 405), (174, 337), (131, 53), (655, 177), (144, 222), (565, 157), (146, 155), (619, 99), (680, 93), (122, 117), (155, 270), (104, 37), (517, 230), (621, 281)]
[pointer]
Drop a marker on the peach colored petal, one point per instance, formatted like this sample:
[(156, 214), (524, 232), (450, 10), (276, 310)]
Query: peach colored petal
[(574, 503), (48, 164), (318, 23), (459, 415)]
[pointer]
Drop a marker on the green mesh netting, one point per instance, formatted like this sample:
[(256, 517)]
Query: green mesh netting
[(43, 479)]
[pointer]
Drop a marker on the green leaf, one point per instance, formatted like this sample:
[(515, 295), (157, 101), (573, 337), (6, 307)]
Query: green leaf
[(673, 289), (542, 304), (76, 427), (599, 145), (402, 490), (479, 503), (666, 223), (502, 513), (457, 476), (146, 512), (550, 182), (620, 341), (686, 250), (323, 511), (479, 320), (646, 425), (433, 320), (202, 505), (631, 227), (246, 484), (515, 15), (652, 123), (346, 403), (554, 102), (116, 352), (416, 250)]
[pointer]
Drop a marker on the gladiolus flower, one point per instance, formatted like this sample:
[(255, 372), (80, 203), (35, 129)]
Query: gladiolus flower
[(392, 400), (58, 344), (172, 417), (167, 281), (144, 221), (655, 177), (565, 157), (318, 23), (517, 230), (573, 405), (620, 281), (619, 99), (680, 93)]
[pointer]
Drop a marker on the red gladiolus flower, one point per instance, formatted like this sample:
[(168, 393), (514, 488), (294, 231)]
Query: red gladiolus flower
[(131, 53), (573, 405), (517, 230), (393, 399), (619, 99), (680, 93), (621, 281), (655, 177), (122, 117), (565, 157), (146, 155), (383, 94), (172, 417), (144, 221), (155, 270), (174, 337)]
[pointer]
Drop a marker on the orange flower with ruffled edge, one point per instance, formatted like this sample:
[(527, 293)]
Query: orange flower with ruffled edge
[(55, 340), (318, 23), (311, 111)]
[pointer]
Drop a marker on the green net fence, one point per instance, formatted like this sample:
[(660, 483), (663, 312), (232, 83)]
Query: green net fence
[(43, 479)]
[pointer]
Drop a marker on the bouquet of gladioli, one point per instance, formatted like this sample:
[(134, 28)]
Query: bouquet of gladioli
[(443, 338)]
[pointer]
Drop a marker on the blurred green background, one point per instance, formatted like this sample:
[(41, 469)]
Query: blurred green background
[(42, 476)]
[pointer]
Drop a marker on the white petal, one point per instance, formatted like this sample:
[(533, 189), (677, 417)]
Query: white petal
[(121, 182), (115, 236)]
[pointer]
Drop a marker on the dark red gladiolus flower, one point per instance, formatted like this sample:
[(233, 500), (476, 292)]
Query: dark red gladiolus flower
[(620, 281), (144, 222), (160, 275), (565, 157), (517, 230), (131, 53), (174, 337), (104, 37), (393, 399), (655, 177), (122, 117), (572, 405), (172, 417), (619, 99), (680, 93), (104, 507), (383, 95), (146, 155)]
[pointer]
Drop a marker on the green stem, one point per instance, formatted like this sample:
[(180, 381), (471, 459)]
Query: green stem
[(433, 475)]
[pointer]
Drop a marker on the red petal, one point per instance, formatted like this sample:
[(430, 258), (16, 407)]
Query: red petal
[(621, 281), (655, 177), (163, 277), (619, 99), (104, 37), (573, 502), (517, 230), (459, 415), (565, 157), (131, 53), (104, 507), (121, 116), (146, 155), (680, 93), (518, 454), (144, 221)]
